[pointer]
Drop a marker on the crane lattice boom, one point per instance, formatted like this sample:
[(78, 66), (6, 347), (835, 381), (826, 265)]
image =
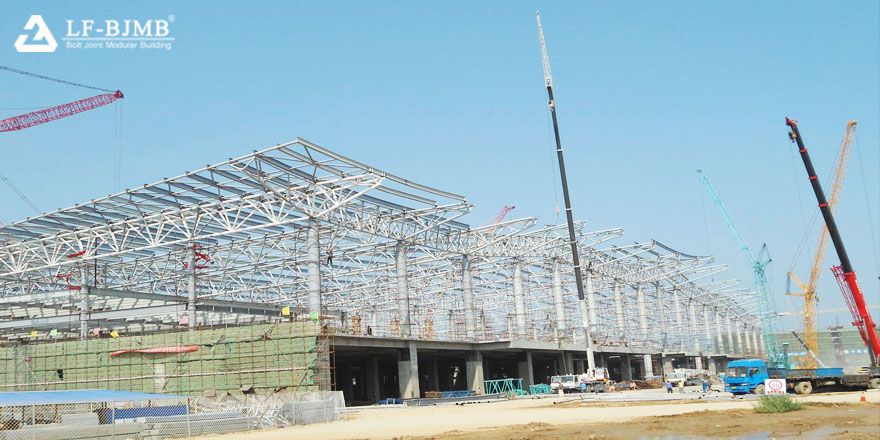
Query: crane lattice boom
[(758, 264), (58, 112)]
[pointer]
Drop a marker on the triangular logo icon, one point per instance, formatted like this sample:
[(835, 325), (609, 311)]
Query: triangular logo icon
[(43, 40)]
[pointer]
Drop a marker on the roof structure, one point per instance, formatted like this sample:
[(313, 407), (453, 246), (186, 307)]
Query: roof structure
[(298, 225)]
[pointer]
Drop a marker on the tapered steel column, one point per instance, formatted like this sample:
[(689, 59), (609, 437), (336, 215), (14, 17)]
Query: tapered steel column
[(467, 287), (519, 300), (402, 291), (313, 268)]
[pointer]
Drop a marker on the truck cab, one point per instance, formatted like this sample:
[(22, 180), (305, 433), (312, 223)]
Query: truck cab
[(746, 376)]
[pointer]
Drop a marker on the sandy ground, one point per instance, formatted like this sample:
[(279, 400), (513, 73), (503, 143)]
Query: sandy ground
[(834, 415)]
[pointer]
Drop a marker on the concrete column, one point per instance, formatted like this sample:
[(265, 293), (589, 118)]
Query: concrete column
[(191, 289), (568, 359), (435, 375), (761, 346), (679, 324), (374, 391), (525, 369), (618, 307), (519, 300), (558, 298), (408, 373), (698, 362), (625, 368), (313, 268), (667, 365), (403, 291), (467, 287), (578, 366), (643, 314), (719, 332), (474, 371), (739, 336), (712, 367), (695, 328), (588, 316), (649, 366)]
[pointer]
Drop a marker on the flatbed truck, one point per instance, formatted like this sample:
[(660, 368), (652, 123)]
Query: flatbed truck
[(747, 376)]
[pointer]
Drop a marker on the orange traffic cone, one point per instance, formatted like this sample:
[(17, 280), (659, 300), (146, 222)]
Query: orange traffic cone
[(862, 398)]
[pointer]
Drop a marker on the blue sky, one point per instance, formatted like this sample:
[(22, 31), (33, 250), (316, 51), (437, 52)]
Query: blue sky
[(451, 94)]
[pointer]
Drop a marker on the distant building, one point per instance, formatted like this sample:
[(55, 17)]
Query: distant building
[(839, 346)]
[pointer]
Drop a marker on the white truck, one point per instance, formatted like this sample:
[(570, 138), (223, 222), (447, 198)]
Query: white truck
[(593, 380)]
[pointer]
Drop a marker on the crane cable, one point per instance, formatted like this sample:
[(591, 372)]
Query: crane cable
[(48, 78), (19, 193), (871, 224)]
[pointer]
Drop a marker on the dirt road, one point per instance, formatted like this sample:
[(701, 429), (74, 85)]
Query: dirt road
[(541, 419)]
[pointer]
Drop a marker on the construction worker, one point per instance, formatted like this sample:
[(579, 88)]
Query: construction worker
[(668, 386)]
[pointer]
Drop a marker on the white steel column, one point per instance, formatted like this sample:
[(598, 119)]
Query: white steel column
[(519, 300), (313, 269), (618, 308), (679, 324), (708, 329), (643, 314), (402, 291), (739, 336), (467, 287), (695, 327), (591, 299), (558, 297), (191, 289), (84, 306), (748, 339), (730, 344), (719, 332), (588, 317)]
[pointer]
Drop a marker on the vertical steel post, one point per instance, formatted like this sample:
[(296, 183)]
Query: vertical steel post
[(403, 291), (467, 287), (313, 268)]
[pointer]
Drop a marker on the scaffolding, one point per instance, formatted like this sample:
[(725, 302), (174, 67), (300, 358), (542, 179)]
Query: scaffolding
[(245, 359)]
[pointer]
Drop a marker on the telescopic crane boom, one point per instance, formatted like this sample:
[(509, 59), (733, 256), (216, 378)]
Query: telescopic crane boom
[(808, 289), (845, 275)]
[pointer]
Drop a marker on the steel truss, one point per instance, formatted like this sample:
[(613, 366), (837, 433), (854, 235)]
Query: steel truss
[(297, 225)]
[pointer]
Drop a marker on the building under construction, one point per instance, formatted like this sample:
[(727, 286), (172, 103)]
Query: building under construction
[(298, 268)]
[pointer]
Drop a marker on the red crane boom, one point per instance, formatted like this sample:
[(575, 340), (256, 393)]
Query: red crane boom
[(845, 275), (58, 112)]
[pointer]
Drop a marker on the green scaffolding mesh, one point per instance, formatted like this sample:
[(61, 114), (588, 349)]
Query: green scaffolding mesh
[(288, 355)]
